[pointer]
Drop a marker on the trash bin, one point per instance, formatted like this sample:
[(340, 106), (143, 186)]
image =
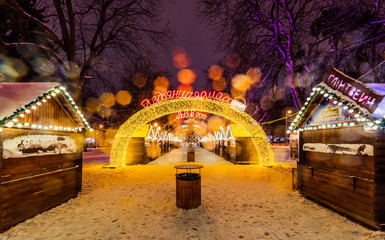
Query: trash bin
[(190, 154), (188, 187)]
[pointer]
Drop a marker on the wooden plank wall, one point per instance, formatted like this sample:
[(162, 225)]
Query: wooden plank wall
[(50, 113), (379, 168), (341, 181), (136, 152), (30, 185), (245, 151)]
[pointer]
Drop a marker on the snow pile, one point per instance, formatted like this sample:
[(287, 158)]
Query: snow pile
[(138, 202)]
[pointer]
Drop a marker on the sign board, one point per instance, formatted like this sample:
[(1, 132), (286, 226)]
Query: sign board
[(329, 113), (37, 145), (355, 90)]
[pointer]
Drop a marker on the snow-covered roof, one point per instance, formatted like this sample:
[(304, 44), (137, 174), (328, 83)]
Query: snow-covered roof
[(14, 95), (15, 98)]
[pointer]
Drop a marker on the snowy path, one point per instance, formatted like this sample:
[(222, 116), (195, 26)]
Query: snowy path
[(179, 155), (238, 202)]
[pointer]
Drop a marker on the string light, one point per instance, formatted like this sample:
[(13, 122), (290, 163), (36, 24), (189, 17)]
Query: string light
[(119, 152), (351, 107), (38, 102)]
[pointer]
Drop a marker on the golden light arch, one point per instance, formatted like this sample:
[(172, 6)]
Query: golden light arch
[(264, 152)]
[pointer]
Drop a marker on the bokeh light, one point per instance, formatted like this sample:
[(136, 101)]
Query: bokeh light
[(123, 97), (266, 102), (180, 57), (105, 112), (185, 88), (43, 66), (186, 76), (73, 69), (254, 74), (235, 93), (214, 123), (13, 67), (241, 82), (139, 79), (219, 85), (107, 99), (276, 93), (161, 83), (215, 72), (233, 60), (93, 105)]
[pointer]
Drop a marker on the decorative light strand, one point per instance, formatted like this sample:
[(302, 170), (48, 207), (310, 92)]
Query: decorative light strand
[(38, 102), (360, 116)]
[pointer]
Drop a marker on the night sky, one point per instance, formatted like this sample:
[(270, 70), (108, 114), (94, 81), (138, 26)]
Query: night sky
[(193, 36)]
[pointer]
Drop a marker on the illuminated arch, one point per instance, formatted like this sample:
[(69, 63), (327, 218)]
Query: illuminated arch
[(122, 138)]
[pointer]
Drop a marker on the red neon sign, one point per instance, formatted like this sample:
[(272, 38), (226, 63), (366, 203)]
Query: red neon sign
[(192, 113), (168, 94)]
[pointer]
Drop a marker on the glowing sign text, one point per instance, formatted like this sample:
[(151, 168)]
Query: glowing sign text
[(355, 90), (192, 113), (168, 94)]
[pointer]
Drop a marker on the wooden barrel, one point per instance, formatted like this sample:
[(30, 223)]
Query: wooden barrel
[(188, 190), (190, 154)]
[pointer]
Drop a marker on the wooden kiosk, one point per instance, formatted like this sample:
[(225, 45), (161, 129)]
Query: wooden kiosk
[(41, 146), (342, 147)]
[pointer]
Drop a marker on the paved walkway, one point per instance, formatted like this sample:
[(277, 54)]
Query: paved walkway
[(180, 156)]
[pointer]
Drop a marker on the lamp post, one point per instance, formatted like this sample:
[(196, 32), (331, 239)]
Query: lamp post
[(288, 112)]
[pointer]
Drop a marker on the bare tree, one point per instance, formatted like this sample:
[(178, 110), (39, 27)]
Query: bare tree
[(294, 37), (80, 33)]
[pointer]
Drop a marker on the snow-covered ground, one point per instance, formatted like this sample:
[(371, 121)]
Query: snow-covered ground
[(238, 201)]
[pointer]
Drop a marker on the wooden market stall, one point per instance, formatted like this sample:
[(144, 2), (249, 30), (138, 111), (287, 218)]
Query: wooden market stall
[(41, 145), (342, 147)]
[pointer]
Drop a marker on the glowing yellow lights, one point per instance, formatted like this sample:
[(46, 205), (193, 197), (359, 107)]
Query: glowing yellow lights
[(123, 97), (107, 99), (121, 156), (186, 76)]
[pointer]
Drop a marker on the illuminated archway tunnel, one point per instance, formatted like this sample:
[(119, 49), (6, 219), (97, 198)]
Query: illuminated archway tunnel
[(263, 154)]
